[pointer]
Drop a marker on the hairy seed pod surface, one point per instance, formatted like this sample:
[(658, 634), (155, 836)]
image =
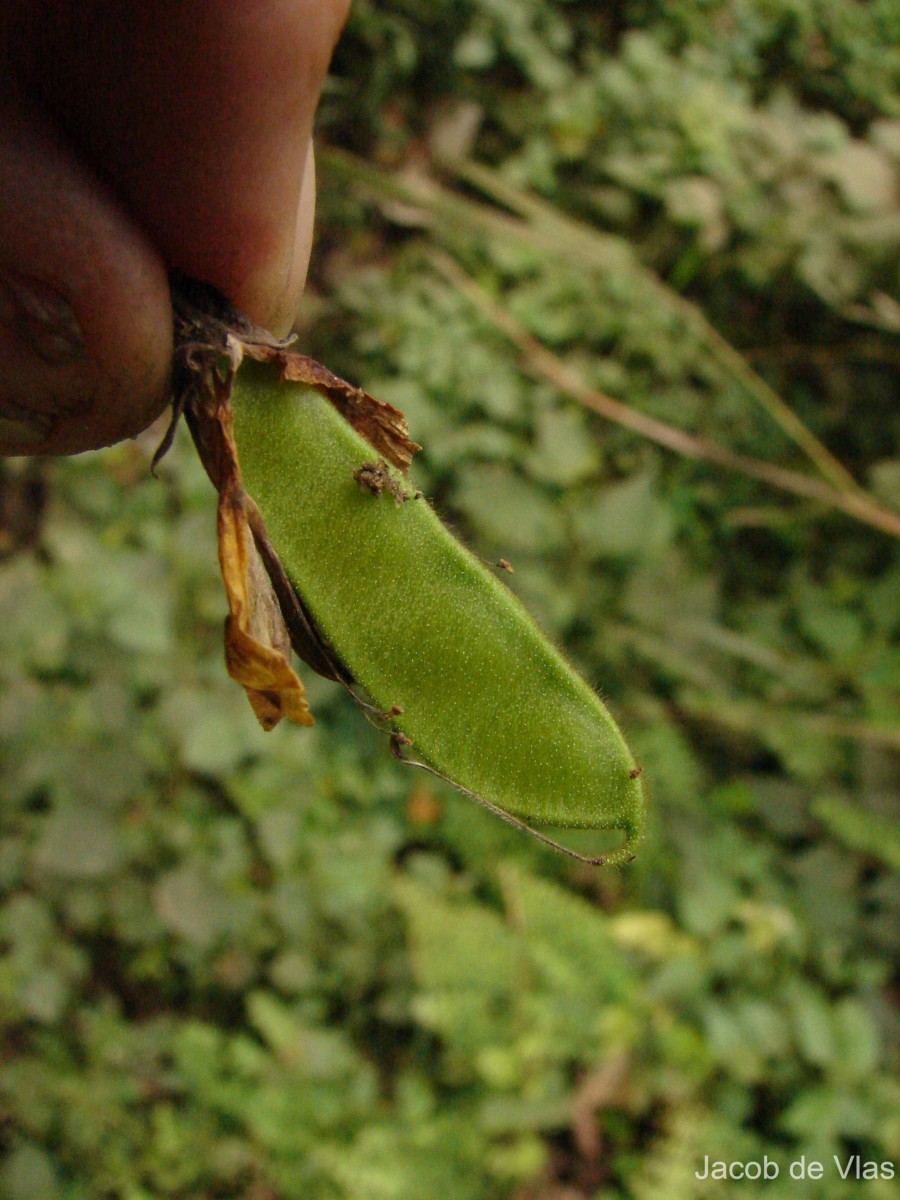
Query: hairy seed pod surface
[(424, 627)]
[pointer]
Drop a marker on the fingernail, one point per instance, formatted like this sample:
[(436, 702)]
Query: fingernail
[(19, 429), (42, 317)]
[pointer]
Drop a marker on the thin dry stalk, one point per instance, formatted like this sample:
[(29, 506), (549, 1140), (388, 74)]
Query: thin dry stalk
[(544, 364), (582, 240)]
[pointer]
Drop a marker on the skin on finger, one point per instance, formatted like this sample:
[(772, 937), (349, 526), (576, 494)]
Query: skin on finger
[(303, 239), (199, 114), (85, 314)]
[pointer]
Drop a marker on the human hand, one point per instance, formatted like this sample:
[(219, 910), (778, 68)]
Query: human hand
[(137, 136)]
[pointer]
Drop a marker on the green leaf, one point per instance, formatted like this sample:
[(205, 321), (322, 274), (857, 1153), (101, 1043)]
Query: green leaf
[(190, 905), (863, 831), (80, 841), (624, 520), (507, 511), (29, 1174), (565, 452), (458, 948)]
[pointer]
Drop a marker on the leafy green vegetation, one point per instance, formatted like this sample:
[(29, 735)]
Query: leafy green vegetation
[(279, 966)]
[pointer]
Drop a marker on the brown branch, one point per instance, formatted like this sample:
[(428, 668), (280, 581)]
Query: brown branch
[(578, 239), (541, 362)]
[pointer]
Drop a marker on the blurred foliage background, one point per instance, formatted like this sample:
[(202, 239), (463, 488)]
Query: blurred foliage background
[(630, 269)]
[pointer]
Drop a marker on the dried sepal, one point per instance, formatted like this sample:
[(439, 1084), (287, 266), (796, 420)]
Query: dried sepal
[(257, 643), (383, 426), (266, 617)]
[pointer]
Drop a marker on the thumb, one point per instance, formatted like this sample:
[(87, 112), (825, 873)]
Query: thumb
[(85, 316)]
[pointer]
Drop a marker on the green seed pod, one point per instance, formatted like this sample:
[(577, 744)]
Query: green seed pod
[(423, 626)]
